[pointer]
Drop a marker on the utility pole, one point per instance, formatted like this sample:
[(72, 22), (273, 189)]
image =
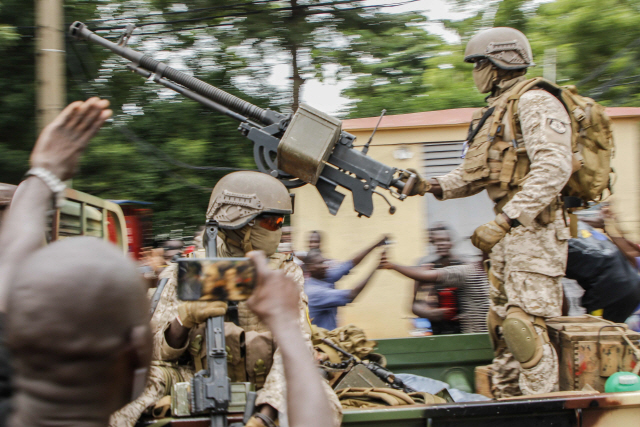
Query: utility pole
[(50, 61)]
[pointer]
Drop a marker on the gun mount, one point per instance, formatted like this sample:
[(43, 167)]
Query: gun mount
[(309, 147)]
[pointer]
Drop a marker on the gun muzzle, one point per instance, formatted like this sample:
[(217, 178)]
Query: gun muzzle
[(79, 31)]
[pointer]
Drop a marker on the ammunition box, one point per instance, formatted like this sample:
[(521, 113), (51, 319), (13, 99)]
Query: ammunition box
[(590, 350), (307, 143)]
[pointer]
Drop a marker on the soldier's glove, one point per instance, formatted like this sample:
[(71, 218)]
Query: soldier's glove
[(420, 186), (487, 235), (260, 420), (194, 312)]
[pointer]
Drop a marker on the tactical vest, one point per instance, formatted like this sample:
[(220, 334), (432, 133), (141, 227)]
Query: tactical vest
[(495, 155), (249, 345)]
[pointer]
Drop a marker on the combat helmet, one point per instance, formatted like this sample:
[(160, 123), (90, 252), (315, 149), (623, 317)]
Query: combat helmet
[(239, 197), (505, 47)]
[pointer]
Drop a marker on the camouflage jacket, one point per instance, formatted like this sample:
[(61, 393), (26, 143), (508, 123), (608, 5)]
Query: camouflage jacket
[(167, 310), (546, 137)]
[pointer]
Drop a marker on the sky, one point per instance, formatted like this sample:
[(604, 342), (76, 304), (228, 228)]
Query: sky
[(325, 96)]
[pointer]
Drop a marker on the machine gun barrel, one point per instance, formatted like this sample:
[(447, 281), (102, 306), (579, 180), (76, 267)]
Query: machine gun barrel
[(80, 31), (309, 147)]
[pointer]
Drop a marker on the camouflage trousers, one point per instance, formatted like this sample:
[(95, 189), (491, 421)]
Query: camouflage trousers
[(509, 379), (528, 265), (162, 376)]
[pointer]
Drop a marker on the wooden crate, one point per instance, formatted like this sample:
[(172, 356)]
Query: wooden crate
[(590, 350)]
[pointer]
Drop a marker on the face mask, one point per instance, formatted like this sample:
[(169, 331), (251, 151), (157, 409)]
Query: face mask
[(229, 241), (484, 77), (260, 239)]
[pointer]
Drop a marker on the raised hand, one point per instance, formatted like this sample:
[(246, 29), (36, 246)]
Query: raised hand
[(61, 142), (276, 296)]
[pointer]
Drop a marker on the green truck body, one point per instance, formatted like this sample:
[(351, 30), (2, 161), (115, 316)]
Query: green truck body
[(453, 358)]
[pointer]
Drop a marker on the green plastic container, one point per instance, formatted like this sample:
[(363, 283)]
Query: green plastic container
[(622, 381)]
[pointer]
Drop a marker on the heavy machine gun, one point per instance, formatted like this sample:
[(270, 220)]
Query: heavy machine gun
[(309, 147)]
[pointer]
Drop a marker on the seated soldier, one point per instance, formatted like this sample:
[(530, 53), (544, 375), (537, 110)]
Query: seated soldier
[(249, 208)]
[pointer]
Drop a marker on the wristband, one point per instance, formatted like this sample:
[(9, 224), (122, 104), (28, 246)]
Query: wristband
[(53, 182)]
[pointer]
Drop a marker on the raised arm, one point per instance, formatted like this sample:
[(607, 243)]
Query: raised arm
[(363, 284), (419, 273), (57, 151), (366, 251)]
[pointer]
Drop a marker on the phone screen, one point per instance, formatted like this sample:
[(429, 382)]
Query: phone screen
[(215, 279)]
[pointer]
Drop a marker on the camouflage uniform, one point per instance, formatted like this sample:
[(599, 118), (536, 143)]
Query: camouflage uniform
[(165, 371), (531, 259)]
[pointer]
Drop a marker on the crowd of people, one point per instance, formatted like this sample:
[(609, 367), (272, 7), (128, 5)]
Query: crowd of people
[(79, 346)]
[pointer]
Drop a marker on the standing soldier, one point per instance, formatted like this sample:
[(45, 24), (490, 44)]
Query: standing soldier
[(249, 208), (519, 149)]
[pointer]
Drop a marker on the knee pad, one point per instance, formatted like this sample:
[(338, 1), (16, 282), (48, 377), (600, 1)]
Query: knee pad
[(521, 337), (494, 323)]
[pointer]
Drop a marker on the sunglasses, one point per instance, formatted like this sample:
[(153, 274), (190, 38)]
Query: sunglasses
[(271, 222)]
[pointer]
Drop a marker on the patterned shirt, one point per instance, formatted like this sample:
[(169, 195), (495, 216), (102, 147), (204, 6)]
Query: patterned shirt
[(473, 285)]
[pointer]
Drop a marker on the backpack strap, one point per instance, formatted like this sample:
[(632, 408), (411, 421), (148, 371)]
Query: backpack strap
[(514, 161)]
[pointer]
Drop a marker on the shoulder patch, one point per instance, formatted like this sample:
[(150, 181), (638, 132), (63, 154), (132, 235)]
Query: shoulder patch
[(557, 126)]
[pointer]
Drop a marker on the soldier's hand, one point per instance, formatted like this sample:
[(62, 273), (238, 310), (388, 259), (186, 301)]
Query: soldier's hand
[(488, 235), (192, 313), (420, 186), (61, 142), (275, 296)]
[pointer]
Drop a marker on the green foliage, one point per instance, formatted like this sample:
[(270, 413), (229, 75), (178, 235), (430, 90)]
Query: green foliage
[(598, 45), (392, 62), (17, 92)]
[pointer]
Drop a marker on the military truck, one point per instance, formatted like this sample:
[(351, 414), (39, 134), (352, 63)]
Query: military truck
[(80, 215), (453, 358)]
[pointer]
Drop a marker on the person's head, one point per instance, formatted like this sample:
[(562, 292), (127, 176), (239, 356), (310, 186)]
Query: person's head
[(316, 265), (172, 248), (78, 329), (249, 208), (440, 238), (315, 240), (500, 53)]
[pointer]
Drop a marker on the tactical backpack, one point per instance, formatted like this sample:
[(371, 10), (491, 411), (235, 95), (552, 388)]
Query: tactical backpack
[(591, 138)]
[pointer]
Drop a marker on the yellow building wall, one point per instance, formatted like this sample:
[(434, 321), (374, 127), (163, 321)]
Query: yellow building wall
[(383, 309), (626, 164)]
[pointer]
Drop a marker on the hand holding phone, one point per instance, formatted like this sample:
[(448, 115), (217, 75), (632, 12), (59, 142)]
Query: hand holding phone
[(215, 279), (275, 298)]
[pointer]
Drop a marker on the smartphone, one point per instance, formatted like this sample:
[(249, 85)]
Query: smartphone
[(215, 279)]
